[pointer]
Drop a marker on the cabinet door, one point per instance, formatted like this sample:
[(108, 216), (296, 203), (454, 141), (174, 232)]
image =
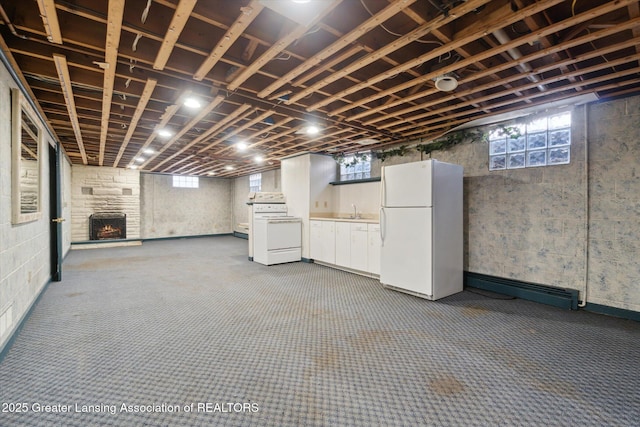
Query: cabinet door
[(328, 242), (358, 256), (343, 244), (315, 240), (373, 250)]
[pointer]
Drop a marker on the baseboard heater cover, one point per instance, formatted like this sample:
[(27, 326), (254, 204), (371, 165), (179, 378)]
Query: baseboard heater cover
[(550, 295)]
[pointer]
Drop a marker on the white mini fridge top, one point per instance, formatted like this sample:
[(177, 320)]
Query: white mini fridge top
[(421, 225)]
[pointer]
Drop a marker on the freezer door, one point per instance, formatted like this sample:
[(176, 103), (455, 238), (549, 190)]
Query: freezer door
[(406, 253), (407, 185)]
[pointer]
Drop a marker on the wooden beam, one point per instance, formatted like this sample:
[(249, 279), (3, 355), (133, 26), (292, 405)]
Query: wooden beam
[(277, 48), (246, 126), (142, 105), (201, 115), (206, 134), (506, 81), (597, 11), (335, 47), (65, 82), (437, 22), (50, 20), (114, 26), (169, 112), (247, 15), (179, 20), (530, 85)]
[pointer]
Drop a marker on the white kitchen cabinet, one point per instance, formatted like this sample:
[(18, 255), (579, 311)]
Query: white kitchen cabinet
[(358, 246), (323, 241), (351, 245), (315, 240), (329, 242), (343, 244), (373, 248)]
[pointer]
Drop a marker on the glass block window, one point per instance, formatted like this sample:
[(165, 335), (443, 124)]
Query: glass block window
[(351, 170), (255, 182), (544, 141), (185, 181)]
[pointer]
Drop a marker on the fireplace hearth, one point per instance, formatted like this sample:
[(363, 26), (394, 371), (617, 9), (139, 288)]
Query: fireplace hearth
[(108, 226)]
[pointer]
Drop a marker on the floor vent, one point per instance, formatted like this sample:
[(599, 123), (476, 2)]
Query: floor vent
[(558, 297)]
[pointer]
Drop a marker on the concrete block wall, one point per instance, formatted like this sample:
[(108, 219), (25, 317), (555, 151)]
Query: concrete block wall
[(103, 189), (173, 212), (614, 203), (24, 248)]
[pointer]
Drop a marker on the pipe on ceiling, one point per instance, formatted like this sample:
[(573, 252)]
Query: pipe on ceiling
[(5, 18), (503, 38)]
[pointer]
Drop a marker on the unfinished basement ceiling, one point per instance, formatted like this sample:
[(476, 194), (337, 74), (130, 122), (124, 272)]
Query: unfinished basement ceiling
[(264, 70)]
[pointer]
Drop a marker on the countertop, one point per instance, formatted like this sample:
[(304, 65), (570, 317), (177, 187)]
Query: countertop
[(365, 220)]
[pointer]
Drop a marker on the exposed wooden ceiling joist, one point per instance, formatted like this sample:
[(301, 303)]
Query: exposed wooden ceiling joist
[(362, 69), (114, 25), (67, 90)]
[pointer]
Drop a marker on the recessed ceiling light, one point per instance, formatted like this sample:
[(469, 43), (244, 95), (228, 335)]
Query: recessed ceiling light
[(148, 151), (241, 146), (133, 167), (192, 103), (229, 167), (313, 130), (211, 173), (139, 159), (165, 133), (258, 159)]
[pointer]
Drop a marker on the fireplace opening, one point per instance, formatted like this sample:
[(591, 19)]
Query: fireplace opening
[(108, 226)]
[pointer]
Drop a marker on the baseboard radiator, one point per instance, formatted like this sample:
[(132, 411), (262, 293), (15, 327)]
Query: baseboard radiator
[(558, 297)]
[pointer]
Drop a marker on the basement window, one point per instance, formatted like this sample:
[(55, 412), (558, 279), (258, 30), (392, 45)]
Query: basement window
[(255, 182), (543, 141), (185, 181), (355, 167)]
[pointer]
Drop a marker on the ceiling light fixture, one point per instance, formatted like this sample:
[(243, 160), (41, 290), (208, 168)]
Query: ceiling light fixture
[(258, 159), (313, 130), (446, 83), (165, 133), (192, 103), (229, 167), (148, 151), (241, 146), (139, 159)]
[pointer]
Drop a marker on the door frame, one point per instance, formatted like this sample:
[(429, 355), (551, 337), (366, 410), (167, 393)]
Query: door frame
[(55, 211)]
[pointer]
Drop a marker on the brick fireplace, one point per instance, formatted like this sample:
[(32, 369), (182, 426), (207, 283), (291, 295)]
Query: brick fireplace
[(107, 226)]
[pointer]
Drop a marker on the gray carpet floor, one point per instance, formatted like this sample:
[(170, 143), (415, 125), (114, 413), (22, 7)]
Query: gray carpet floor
[(189, 332)]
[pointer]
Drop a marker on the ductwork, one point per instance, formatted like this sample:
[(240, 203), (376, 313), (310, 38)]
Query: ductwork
[(503, 38)]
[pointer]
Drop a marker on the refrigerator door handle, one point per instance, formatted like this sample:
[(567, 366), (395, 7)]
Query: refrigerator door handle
[(383, 192), (382, 221)]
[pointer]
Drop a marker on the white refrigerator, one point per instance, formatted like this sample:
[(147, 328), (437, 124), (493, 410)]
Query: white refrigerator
[(421, 226)]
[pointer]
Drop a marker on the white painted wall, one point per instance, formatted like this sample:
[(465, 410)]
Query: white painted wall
[(365, 195), (305, 181), (24, 248)]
